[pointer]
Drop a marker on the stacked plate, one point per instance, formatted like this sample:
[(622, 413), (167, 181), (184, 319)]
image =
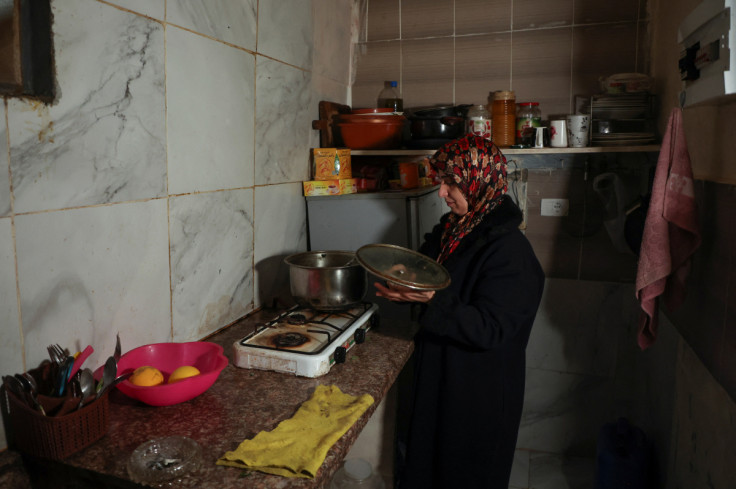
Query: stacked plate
[(623, 138)]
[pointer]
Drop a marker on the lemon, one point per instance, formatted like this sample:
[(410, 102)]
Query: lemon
[(147, 376), (182, 373)]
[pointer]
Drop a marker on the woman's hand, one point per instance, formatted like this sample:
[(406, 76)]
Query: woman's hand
[(399, 293)]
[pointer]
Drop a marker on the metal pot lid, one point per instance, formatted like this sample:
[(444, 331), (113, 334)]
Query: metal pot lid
[(403, 266)]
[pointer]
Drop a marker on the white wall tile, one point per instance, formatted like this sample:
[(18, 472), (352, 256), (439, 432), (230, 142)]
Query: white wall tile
[(86, 274), (150, 8), (332, 47), (285, 31), (4, 166), (284, 115), (211, 261), (280, 230), (233, 21), (210, 100), (102, 141)]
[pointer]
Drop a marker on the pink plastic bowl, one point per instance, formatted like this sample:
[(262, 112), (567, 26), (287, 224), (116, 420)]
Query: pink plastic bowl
[(207, 357)]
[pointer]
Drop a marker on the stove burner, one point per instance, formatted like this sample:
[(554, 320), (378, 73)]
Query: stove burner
[(289, 340), (296, 319)]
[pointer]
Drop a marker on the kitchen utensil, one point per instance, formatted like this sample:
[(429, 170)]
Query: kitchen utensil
[(62, 376), (444, 122), (80, 360), (56, 353), (108, 375), (28, 383), (118, 348), (403, 266), (162, 459), (205, 356), (116, 381), (87, 384), (326, 280)]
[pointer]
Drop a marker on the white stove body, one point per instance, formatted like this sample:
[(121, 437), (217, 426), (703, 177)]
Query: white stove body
[(312, 359)]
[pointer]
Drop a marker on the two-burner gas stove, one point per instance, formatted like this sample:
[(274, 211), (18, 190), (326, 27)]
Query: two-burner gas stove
[(305, 341)]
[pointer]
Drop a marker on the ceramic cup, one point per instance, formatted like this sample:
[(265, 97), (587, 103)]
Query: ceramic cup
[(558, 134), (577, 130)]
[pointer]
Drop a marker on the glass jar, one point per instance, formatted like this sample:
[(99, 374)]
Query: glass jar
[(528, 118), (504, 118), (479, 121)]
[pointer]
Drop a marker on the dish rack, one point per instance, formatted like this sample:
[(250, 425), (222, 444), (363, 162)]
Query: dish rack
[(620, 119)]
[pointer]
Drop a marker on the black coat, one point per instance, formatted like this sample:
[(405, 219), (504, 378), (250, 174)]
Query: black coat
[(470, 358)]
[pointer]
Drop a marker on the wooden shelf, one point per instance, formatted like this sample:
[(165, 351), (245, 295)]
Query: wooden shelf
[(650, 148)]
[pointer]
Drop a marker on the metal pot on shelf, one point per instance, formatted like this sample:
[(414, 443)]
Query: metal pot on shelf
[(446, 122)]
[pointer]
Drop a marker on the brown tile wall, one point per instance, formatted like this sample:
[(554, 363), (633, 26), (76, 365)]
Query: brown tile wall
[(460, 51)]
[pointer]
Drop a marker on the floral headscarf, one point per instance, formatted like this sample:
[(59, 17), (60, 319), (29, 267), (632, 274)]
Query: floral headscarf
[(479, 169)]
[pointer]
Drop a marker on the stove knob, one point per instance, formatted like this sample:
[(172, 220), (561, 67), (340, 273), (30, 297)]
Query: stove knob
[(359, 335), (375, 320), (340, 354)]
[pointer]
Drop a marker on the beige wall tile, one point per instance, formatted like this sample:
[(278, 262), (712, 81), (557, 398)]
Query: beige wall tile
[(378, 62), (383, 21), (591, 11), (482, 66), (541, 70), (426, 18), (600, 51), (427, 71), (482, 16), (536, 14)]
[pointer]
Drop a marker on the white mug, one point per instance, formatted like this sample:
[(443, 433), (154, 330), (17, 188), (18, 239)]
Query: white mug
[(577, 130), (558, 134)]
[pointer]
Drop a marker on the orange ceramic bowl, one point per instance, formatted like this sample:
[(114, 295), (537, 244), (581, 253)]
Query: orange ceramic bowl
[(382, 111), (207, 357), (371, 135)]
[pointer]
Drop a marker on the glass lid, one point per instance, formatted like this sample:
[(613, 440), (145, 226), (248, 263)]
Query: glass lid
[(403, 266)]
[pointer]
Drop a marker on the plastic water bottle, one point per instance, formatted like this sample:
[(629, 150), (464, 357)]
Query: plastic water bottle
[(389, 97)]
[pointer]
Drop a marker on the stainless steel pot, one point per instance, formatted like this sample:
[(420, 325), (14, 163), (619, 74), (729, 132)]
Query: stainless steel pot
[(326, 280)]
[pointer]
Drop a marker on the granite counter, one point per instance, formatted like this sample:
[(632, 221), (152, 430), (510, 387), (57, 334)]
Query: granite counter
[(240, 404)]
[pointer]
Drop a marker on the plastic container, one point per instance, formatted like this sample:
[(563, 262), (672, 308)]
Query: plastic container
[(389, 97), (528, 118), (479, 121), (409, 175), (357, 473), (504, 118)]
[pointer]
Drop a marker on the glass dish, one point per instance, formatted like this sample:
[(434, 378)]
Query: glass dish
[(403, 266), (164, 459)]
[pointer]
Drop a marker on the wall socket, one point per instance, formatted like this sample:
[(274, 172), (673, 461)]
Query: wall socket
[(555, 207)]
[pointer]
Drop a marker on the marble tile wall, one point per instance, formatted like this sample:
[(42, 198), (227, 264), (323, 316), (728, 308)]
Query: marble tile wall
[(158, 194)]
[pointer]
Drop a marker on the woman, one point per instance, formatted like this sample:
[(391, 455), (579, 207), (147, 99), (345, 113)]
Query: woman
[(470, 349)]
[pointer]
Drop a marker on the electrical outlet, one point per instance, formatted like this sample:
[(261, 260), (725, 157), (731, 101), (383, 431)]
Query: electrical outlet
[(555, 207)]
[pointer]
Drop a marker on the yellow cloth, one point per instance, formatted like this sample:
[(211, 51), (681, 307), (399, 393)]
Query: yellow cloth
[(298, 446)]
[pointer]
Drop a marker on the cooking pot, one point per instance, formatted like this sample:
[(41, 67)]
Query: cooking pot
[(326, 280), (438, 122)]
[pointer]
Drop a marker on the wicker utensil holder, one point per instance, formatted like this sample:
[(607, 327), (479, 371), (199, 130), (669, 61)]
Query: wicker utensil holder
[(53, 437)]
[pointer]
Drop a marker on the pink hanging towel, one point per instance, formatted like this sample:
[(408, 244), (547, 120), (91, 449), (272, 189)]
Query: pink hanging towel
[(671, 232)]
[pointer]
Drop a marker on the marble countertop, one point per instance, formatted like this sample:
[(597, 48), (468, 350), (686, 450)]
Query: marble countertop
[(240, 404)]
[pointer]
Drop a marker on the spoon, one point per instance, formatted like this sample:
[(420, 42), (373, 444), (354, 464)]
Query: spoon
[(29, 385), (87, 384), (108, 374), (115, 382)]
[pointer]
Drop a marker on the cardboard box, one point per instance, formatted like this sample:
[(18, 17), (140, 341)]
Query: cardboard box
[(330, 187), (331, 164), (321, 187), (348, 186)]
